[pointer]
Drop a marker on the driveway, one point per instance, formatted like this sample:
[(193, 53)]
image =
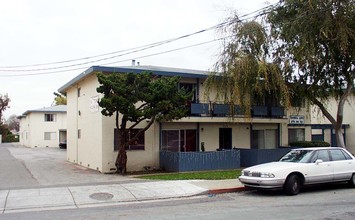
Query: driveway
[(22, 167)]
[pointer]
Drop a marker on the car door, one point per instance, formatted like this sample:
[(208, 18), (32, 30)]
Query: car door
[(342, 165), (320, 168)]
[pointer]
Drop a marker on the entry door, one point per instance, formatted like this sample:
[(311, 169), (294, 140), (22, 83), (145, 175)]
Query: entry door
[(225, 138)]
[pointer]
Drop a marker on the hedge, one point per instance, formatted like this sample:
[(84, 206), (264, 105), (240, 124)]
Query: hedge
[(309, 144)]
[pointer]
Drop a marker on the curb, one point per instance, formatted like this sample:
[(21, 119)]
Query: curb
[(228, 190)]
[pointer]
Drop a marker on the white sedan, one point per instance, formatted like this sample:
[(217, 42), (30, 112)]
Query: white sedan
[(303, 166)]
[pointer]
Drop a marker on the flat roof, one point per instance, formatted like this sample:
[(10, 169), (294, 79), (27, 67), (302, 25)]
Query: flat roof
[(161, 71)]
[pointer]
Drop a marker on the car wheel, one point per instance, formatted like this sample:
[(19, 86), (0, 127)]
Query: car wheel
[(292, 185), (352, 181)]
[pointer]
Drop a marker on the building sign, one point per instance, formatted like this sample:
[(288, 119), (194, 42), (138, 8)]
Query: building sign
[(94, 104), (297, 119)]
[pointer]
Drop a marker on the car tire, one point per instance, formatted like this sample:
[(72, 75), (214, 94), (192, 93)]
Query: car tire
[(352, 181), (292, 185)]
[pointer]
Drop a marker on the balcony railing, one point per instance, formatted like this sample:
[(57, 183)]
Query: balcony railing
[(224, 110)]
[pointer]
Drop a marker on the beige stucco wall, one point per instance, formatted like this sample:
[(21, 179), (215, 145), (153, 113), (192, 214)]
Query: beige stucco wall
[(349, 112), (85, 117), (95, 148), (72, 127), (136, 159), (24, 131), (33, 127), (209, 134), (304, 111)]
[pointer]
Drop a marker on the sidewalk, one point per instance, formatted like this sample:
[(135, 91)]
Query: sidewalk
[(110, 194)]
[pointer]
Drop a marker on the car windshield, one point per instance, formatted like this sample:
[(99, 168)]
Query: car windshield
[(297, 156)]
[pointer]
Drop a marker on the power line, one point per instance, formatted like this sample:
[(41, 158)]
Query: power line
[(127, 51), (120, 61), (172, 50)]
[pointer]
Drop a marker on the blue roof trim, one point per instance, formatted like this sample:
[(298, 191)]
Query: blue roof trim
[(162, 71)]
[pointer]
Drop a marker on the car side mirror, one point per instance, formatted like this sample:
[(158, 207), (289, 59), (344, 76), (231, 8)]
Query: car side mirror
[(319, 161)]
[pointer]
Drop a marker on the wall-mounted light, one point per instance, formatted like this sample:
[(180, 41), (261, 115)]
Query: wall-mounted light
[(202, 129)]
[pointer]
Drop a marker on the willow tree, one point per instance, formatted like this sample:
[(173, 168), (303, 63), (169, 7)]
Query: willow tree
[(135, 98), (243, 73), (316, 42), (59, 99)]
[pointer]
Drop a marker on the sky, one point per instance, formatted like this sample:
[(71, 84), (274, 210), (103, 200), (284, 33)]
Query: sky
[(68, 37)]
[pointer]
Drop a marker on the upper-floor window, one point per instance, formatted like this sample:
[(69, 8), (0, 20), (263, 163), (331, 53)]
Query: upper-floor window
[(79, 92), (49, 117), (190, 87)]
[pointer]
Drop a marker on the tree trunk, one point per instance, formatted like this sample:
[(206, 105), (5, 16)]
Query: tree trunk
[(340, 138), (121, 162)]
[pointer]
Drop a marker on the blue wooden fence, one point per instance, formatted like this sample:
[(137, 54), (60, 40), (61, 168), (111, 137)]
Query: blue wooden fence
[(193, 161), (251, 157)]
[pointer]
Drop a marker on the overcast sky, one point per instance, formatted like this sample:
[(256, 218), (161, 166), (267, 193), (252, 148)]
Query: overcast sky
[(41, 32)]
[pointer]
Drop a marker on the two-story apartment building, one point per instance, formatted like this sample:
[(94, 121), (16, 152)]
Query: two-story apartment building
[(208, 127), (44, 127)]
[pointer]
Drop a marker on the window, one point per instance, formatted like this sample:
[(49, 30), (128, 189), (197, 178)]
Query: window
[(296, 134), (50, 136), (137, 145), (79, 133), (179, 140), (337, 155), (264, 139), (190, 87), (321, 155), (49, 117), (79, 92)]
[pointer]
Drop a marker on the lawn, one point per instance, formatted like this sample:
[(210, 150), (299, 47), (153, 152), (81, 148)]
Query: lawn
[(201, 175)]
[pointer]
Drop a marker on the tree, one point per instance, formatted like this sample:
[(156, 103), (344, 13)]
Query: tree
[(60, 99), (13, 123), (4, 104), (315, 42), (243, 71), (139, 97)]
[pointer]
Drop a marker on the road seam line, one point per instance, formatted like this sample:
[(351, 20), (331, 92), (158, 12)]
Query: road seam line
[(129, 192), (3, 210), (72, 197)]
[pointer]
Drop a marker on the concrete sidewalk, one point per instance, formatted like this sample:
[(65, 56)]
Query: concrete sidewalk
[(20, 200)]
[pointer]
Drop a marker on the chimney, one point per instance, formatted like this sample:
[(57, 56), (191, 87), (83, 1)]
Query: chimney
[(133, 62)]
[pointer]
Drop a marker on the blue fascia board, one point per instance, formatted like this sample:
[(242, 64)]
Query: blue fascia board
[(161, 71)]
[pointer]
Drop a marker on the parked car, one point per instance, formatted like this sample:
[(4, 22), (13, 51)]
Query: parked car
[(300, 167), (63, 144)]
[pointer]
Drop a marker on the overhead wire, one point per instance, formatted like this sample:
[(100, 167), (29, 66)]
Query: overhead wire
[(128, 51)]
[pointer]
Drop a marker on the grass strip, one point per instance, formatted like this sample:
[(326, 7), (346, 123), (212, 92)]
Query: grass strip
[(201, 175)]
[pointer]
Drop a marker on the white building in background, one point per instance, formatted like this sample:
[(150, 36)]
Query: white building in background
[(45, 127)]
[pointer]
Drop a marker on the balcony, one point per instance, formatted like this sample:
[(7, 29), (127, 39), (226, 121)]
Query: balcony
[(224, 110)]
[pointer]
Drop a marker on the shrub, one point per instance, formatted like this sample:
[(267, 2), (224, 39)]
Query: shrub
[(309, 144)]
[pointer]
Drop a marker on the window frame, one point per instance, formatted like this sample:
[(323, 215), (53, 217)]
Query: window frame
[(50, 135), (49, 117), (140, 146)]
